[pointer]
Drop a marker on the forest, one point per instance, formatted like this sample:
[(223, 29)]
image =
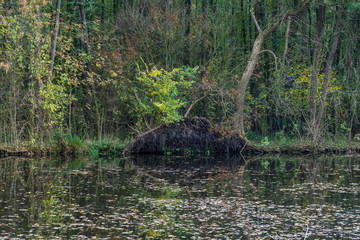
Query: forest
[(179, 119), (112, 69)]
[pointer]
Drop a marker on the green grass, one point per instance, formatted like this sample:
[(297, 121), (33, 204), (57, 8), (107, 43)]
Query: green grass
[(107, 147), (281, 143)]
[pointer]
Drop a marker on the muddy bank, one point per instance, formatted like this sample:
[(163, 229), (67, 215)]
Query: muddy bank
[(313, 150), (189, 137)]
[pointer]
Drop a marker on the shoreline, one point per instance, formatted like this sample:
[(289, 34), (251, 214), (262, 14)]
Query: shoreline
[(252, 150)]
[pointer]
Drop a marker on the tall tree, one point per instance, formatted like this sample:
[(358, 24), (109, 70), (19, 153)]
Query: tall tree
[(243, 27), (57, 24), (256, 50), (303, 36), (102, 17), (320, 25), (85, 35), (203, 37), (187, 32)]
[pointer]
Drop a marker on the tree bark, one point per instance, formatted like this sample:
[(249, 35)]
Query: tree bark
[(254, 59), (320, 13), (57, 24), (286, 41), (325, 84)]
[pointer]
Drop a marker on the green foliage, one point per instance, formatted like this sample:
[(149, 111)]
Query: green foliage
[(74, 142), (265, 164), (161, 94), (91, 93), (54, 100), (94, 152), (107, 147), (344, 129), (357, 137), (280, 136), (299, 93), (67, 144), (265, 141)]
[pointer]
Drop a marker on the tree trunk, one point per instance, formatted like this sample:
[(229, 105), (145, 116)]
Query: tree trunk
[(254, 59), (203, 38), (286, 41), (303, 37), (245, 80), (320, 13), (102, 17), (57, 24), (144, 8), (325, 85), (242, 9), (91, 91), (115, 9), (187, 32), (85, 35), (309, 46), (38, 84), (212, 6)]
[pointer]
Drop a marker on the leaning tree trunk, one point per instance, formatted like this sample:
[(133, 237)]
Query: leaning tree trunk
[(325, 85), (256, 50)]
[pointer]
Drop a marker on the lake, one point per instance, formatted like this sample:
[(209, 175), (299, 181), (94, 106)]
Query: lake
[(227, 197)]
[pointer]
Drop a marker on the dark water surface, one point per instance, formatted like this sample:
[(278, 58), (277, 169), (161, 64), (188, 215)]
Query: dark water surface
[(175, 198)]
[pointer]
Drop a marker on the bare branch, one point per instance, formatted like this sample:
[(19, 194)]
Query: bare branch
[(274, 55), (286, 40), (192, 105), (255, 21)]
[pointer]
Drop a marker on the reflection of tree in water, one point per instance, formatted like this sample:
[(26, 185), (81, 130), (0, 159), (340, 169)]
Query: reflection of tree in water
[(30, 192), (269, 173), (265, 197), (184, 170)]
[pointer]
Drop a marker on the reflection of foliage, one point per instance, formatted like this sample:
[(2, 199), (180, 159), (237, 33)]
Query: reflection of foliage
[(112, 200), (54, 206), (161, 93)]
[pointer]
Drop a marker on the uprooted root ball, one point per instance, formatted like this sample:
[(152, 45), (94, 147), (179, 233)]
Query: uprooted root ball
[(190, 136)]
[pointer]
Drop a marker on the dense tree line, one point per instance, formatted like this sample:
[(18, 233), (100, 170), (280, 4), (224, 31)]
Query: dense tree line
[(99, 68)]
